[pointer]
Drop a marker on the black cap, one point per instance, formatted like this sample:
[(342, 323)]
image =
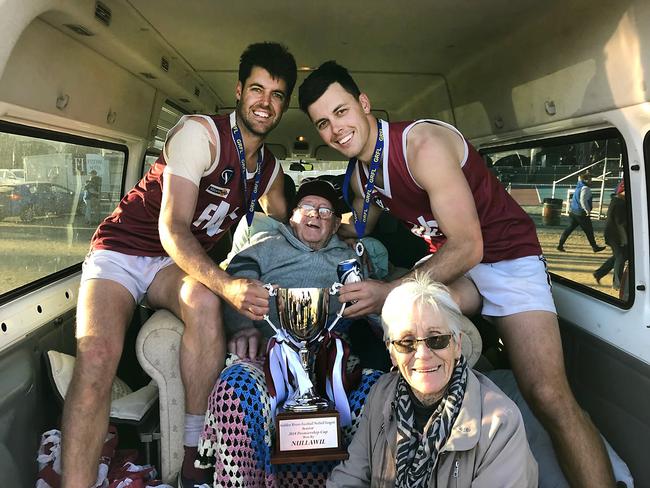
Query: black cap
[(324, 189)]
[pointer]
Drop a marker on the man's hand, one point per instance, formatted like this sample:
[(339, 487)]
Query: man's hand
[(368, 294), (247, 343), (248, 297), (366, 262)]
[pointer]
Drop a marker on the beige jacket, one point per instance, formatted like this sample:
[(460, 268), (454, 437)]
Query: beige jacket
[(487, 447)]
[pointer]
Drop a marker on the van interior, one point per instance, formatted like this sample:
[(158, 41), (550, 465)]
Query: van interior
[(544, 90)]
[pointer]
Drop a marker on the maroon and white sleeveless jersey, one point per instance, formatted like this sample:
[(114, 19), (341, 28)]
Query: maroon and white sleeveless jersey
[(132, 228), (508, 232)]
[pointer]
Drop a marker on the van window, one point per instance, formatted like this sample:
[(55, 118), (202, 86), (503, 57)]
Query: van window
[(555, 182), (60, 190), (169, 116), (150, 158)]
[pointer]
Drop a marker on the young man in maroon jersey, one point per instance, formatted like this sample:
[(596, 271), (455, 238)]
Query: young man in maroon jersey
[(426, 174), (212, 172)]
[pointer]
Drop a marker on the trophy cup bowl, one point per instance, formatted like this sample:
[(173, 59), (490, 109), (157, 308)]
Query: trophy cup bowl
[(303, 312), (303, 316)]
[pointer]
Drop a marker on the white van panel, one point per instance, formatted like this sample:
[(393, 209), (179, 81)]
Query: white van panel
[(95, 86), (583, 68), (27, 313)]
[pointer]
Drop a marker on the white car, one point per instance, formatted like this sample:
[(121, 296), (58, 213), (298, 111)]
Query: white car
[(12, 175)]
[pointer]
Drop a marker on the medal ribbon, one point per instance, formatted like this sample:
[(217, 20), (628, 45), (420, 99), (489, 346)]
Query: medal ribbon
[(239, 145), (361, 221)]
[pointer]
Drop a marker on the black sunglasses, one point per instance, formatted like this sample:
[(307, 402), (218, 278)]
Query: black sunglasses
[(433, 342)]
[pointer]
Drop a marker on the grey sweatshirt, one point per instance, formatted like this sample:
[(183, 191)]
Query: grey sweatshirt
[(281, 258)]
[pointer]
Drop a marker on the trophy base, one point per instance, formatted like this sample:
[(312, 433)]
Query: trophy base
[(307, 437), (306, 404)]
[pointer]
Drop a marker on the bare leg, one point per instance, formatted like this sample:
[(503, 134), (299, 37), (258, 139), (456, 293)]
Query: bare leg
[(465, 294), (535, 349), (203, 345), (104, 311)]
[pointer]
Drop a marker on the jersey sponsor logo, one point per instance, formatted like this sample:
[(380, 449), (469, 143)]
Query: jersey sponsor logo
[(226, 175), (380, 203), (213, 216), (426, 228), (217, 191)]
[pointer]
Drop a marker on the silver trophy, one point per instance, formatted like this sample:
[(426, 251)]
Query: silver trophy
[(303, 318)]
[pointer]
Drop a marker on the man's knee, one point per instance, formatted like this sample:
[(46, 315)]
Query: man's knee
[(466, 296), (552, 401), (97, 359), (201, 309), (196, 296)]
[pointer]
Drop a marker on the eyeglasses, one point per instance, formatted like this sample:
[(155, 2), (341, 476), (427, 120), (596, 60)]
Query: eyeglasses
[(323, 212), (434, 342)]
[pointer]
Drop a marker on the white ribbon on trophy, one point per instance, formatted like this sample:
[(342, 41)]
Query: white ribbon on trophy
[(334, 387)]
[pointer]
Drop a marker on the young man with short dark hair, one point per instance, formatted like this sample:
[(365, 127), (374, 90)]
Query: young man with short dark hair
[(212, 172), (426, 174)]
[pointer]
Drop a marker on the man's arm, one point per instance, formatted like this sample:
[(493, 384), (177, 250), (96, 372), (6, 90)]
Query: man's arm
[(273, 201), (434, 154), (620, 219), (585, 196), (176, 213)]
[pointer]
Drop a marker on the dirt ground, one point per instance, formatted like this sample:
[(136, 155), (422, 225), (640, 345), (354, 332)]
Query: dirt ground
[(29, 251), (579, 261)]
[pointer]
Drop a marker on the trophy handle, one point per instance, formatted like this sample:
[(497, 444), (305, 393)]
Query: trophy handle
[(272, 292), (334, 289)]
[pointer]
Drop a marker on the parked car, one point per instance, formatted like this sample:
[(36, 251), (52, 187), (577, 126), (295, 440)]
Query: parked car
[(34, 199), (12, 175)]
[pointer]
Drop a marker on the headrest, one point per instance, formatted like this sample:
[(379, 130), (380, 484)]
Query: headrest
[(61, 366), (471, 343), (126, 404)]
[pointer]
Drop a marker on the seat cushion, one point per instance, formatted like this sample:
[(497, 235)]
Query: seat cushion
[(126, 404)]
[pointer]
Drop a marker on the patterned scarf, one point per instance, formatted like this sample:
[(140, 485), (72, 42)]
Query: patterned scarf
[(416, 459)]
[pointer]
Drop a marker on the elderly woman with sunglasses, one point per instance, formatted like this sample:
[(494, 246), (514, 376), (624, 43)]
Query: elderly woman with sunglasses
[(434, 422)]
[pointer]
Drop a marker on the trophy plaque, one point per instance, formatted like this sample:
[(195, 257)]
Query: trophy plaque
[(307, 427)]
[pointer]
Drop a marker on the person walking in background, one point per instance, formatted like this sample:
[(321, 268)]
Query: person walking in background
[(91, 195), (579, 213), (615, 237)]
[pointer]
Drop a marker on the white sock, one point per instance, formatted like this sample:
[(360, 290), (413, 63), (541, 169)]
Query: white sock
[(193, 428)]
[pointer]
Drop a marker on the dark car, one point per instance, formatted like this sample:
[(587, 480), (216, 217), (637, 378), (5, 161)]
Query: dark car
[(34, 199), (512, 161)]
